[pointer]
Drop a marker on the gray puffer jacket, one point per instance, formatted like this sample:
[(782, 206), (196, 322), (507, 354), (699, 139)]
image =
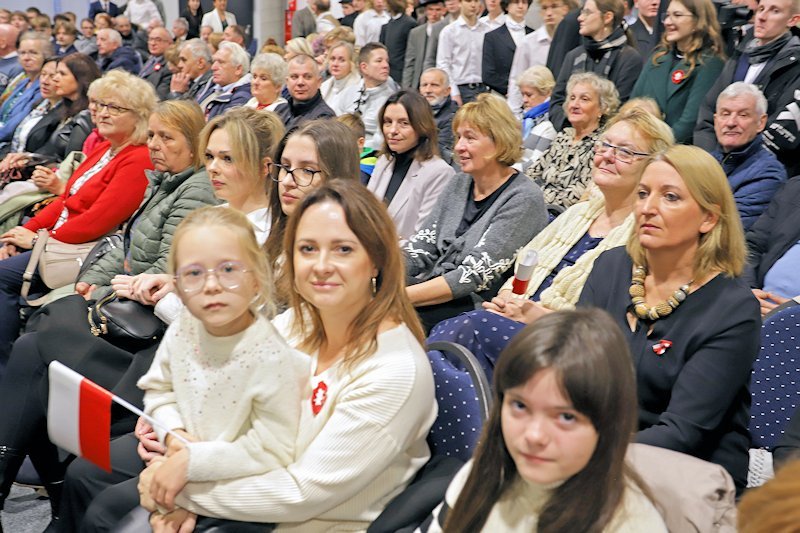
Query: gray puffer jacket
[(148, 234)]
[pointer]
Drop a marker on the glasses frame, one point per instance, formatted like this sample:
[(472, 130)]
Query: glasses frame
[(207, 271), (283, 170), (114, 110), (666, 15), (629, 155)]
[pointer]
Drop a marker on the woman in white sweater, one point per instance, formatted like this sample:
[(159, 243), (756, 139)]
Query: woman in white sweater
[(552, 455), (369, 401)]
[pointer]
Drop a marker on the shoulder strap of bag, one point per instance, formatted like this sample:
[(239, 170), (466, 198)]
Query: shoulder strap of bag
[(27, 276)]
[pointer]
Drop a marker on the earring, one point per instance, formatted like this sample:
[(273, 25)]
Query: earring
[(374, 286)]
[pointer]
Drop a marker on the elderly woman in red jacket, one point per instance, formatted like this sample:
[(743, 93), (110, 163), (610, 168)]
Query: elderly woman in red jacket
[(101, 194)]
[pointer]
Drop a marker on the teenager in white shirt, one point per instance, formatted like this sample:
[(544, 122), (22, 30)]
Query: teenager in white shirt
[(367, 26), (460, 53)]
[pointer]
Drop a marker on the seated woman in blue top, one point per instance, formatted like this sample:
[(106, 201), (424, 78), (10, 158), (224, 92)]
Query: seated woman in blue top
[(685, 64), (483, 216), (692, 327), (568, 247), (23, 91)]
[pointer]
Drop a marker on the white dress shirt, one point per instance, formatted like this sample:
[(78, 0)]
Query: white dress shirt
[(367, 26), (532, 51), (494, 23), (460, 52)]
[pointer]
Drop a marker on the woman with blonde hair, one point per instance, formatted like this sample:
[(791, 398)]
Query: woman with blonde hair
[(693, 329), (567, 248), (342, 69), (483, 215), (685, 64)]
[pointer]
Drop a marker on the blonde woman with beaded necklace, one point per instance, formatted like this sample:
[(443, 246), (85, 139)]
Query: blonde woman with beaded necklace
[(693, 329)]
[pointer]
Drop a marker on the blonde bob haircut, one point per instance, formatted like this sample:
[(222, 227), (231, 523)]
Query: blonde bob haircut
[(656, 134), (369, 220), (491, 116), (253, 257), (606, 92), (186, 117), (131, 92), (253, 136), (723, 248), (539, 78)]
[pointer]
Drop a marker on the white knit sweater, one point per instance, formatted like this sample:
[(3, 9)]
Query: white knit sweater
[(239, 395), (359, 451)]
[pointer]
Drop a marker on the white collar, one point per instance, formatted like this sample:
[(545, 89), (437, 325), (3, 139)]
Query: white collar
[(515, 26)]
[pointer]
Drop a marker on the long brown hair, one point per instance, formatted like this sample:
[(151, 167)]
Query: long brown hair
[(421, 119), (337, 151), (706, 37), (590, 356), (366, 217)]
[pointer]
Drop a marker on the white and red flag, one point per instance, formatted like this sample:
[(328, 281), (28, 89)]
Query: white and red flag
[(79, 415)]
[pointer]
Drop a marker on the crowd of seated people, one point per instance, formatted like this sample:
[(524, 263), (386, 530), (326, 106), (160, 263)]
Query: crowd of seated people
[(298, 219)]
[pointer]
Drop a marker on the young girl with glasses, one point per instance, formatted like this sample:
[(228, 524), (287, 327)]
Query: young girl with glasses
[(223, 378)]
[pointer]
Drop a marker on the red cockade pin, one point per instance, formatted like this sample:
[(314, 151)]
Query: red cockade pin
[(678, 76), (157, 67), (661, 346), (318, 397)]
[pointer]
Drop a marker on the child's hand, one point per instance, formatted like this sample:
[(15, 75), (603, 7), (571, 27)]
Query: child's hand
[(170, 479), (175, 445), (178, 521), (150, 288), (123, 286), (149, 448)]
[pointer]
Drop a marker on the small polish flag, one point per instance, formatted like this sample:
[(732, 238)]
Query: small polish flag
[(79, 415)]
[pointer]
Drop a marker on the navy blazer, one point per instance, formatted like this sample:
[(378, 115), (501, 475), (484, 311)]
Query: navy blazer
[(159, 77), (96, 7), (498, 54)]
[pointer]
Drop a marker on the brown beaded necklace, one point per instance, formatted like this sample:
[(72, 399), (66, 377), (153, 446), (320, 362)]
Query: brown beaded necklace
[(661, 309)]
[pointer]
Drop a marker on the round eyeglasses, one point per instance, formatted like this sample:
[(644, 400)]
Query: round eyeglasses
[(192, 278), (302, 177)]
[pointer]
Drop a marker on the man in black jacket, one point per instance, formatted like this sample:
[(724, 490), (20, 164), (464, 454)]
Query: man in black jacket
[(774, 246), (771, 61), (305, 101), (434, 85)]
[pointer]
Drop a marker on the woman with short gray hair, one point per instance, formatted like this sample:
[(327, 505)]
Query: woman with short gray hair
[(268, 73)]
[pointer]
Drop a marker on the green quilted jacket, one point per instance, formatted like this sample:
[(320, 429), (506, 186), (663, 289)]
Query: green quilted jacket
[(148, 234)]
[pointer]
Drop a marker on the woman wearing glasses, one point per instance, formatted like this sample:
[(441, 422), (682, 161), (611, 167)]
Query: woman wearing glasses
[(101, 194), (684, 65), (177, 186), (568, 247)]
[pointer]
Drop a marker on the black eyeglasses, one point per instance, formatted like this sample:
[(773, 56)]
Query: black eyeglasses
[(302, 177), (113, 109)]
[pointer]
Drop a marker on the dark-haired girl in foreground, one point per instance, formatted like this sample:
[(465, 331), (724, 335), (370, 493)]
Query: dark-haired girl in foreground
[(552, 455)]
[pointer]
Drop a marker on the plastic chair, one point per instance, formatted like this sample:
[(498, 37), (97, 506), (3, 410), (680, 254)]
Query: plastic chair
[(464, 397)]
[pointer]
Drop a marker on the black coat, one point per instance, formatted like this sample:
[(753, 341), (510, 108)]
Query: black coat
[(123, 57), (645, 41), (775, 231), (693, 397), (61, 139), (565, 39), (498, 54), (293, 113), (159, 76), (394, 35)]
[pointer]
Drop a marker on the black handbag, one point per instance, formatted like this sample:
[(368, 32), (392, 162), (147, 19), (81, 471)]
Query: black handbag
[(25, 172), (125, 323)]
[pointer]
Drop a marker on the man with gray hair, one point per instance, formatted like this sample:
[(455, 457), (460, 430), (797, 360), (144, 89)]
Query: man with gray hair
[(180, 29), (9, 66), (194, 71), (112, 54), (305, 100), (434, 85), (754, 173), (230, 78)]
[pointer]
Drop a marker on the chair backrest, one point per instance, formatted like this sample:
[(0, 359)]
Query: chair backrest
[(775, 382), (464, 398)]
